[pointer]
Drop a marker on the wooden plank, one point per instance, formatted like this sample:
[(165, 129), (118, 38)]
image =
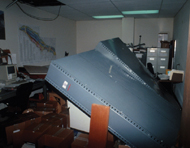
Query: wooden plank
[(98, 126)]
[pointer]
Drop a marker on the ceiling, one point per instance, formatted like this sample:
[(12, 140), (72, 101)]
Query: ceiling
[(81, 10)]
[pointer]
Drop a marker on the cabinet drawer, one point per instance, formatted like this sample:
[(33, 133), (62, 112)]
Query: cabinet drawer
[(163, 52), (161, 69), (152, 60), (162, 61), (152, 52)]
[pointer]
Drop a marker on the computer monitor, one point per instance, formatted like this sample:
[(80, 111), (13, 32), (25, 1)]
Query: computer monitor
[(8, 74)]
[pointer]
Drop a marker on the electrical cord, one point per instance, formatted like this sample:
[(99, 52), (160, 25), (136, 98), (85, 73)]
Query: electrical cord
[(38, 18)]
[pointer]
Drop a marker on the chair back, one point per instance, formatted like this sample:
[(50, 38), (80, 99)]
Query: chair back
[(22, 95)]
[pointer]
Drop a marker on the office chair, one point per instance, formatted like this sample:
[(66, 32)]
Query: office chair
[(22, 95), (150, 68)]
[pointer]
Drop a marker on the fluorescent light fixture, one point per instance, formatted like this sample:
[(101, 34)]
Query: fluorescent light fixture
[(141, 12), (107, 16)]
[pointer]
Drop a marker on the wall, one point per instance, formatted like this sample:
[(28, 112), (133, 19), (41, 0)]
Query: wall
[(128, 30), (64, 30), (90, 33), (181, 27), (149, 28)]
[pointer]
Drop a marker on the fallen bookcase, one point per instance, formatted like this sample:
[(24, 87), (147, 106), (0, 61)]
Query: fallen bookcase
[(111, 75)]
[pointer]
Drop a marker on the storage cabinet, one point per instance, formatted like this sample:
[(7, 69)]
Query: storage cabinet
[(159, 58)]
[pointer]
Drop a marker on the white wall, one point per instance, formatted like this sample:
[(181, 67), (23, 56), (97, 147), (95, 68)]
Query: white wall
[(149, 28), (64, 30), (128, 30), (181, 29), (90, 33)]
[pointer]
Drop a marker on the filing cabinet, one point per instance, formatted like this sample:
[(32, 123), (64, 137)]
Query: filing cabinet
[(159, 58)]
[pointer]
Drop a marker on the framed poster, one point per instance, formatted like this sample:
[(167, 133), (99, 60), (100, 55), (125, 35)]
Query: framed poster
[(2, 25)]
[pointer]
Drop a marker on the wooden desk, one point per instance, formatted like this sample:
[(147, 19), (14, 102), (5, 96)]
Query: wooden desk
[(170, 81)]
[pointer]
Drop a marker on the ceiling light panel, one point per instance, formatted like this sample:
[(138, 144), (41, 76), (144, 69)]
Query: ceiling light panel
[(140, 12), (108, 16)]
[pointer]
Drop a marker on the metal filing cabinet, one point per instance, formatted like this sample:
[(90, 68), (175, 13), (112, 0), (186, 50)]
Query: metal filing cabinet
[(159, 59)]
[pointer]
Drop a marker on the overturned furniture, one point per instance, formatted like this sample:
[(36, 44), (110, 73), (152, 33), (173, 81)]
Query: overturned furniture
[(111, 75)]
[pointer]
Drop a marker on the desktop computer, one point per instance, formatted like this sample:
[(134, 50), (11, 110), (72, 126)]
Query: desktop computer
[(8, 74)]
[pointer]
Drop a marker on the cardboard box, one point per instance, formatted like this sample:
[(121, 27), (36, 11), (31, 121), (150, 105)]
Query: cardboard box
[(49, 104), (34, 131), (54, 119), (23, 121), (56, 137), (55, 97), (110, 141), (65, 112), (165, 44), (18, 139), (11, 129), (123, 146), (81, 141), (44, 111), (46, 104)]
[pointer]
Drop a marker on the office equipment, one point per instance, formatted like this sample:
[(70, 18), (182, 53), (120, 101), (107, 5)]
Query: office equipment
[(8, 74), (111, 75), (163, 77), (159, 58), (176, 75)]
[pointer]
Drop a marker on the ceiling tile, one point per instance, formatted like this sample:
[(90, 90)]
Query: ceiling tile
[(173, 1), (51, 9), (85, 9), (172, 7), (130, 7), (67, 12), (68, 2), (97, 8), (138, 2)]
